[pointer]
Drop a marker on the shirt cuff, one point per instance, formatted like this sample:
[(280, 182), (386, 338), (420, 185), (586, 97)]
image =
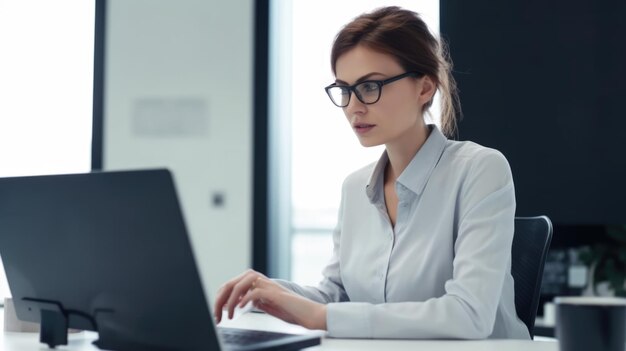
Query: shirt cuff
[(349, 320)]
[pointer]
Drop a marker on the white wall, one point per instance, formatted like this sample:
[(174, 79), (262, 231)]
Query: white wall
[(178, 93)]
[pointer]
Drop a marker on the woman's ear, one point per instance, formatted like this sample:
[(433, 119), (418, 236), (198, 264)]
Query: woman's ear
[(427, 89)]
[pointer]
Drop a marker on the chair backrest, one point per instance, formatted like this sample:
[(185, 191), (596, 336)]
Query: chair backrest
[(531, 240)]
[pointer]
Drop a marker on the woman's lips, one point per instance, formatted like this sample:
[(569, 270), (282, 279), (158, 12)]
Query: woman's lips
[(362, 128)]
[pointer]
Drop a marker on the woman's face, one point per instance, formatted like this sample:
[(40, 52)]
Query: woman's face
[(397, 116)]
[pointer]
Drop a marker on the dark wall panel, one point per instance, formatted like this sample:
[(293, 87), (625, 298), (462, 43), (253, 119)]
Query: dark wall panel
[(544, 82)]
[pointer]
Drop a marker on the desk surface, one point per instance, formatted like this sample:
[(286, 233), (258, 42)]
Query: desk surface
[(82, 341)]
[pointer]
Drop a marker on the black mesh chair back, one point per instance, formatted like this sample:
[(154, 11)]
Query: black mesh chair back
[(531, 241)]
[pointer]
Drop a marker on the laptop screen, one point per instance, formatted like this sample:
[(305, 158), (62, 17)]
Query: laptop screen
[(105, 251)]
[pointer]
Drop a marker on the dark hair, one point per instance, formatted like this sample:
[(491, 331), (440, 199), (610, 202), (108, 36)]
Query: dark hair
[(404, 35)]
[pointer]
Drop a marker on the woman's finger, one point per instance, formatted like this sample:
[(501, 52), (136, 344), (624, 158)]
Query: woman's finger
[(222, 296), (224, 293), (253, 286), (239, 290)]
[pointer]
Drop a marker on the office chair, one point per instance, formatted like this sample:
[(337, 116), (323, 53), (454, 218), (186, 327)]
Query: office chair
[(531, 240)]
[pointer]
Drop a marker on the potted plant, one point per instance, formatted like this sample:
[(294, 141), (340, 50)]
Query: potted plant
[(607, 261)]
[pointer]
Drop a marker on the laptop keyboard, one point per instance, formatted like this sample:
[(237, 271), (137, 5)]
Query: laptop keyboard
[(241, 337)]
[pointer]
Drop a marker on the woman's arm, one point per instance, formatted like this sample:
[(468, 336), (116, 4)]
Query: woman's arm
[(283, 299)]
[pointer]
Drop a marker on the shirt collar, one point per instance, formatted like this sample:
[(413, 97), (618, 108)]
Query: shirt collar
[(417, 172), (376, 178)]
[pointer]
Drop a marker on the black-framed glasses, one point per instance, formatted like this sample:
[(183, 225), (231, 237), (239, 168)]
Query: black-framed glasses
[(368, 91)]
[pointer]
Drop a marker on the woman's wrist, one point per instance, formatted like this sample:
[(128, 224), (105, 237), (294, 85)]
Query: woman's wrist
[(320, 317)]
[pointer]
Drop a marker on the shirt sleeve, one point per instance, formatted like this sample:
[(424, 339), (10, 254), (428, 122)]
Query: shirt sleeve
[(482, 251), (330, 289)]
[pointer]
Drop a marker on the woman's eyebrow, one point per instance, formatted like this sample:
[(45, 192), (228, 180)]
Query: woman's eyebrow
[(365, 77)]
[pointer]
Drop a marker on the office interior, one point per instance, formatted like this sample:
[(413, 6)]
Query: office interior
[(540, 81)]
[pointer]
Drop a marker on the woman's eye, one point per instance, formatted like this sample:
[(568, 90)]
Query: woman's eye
[(368, 87)]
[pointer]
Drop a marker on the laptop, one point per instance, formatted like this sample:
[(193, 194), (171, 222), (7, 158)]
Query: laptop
[(109, 252)]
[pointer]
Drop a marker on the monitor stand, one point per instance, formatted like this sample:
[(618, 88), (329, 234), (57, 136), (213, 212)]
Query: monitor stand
[(54, 322)]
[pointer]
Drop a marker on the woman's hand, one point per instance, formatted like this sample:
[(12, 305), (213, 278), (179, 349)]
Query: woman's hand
[(271, 298)]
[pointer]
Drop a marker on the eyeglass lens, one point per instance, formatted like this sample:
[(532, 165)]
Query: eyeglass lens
[(366, 92)]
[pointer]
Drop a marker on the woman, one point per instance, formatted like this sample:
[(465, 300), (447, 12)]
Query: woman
[(422, 248)]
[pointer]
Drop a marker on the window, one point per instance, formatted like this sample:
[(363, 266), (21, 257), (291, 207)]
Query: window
[(46, 88), (321, 149)]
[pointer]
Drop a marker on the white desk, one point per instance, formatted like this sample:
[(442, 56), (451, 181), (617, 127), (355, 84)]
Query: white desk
[(82, 341)]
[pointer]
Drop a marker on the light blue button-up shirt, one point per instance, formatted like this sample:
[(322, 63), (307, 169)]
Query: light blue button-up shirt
[(444, 271)]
